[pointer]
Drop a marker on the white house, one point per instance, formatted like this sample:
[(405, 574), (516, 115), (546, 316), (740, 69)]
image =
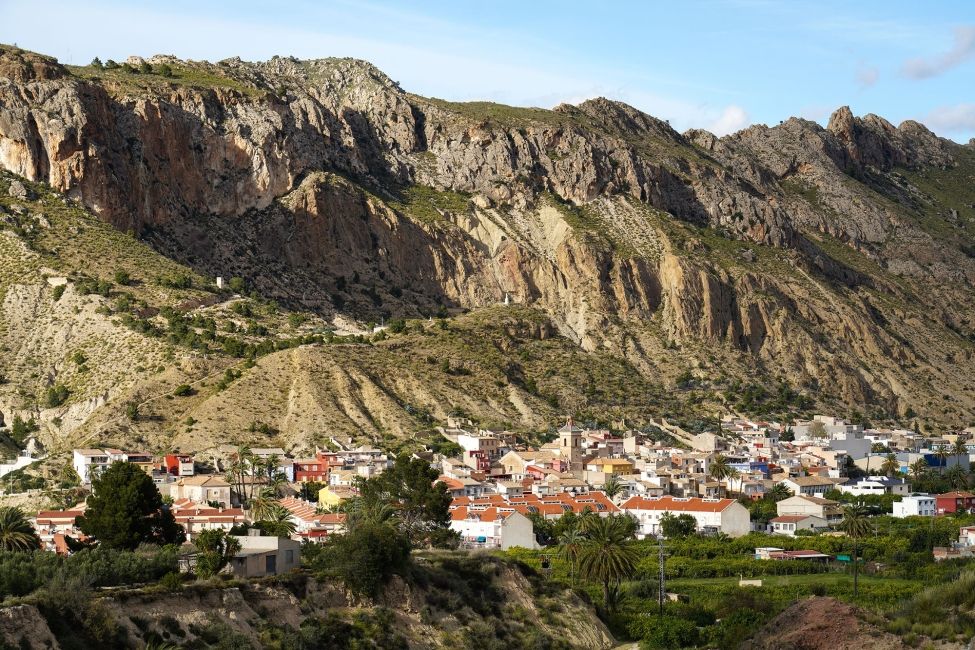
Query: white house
[(87, 462), (879, 485), (712, 515), (493, 528), (916, 505), (829, 511), (789, 524), (262, 555), (813, 486), (202, 488)]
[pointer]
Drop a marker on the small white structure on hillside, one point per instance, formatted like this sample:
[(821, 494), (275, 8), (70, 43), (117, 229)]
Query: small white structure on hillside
[(915, 505)]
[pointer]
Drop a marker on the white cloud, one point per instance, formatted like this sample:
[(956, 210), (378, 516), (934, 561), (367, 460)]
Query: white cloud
[(960, 117), (733, 118), (867, 76), (962, 49)]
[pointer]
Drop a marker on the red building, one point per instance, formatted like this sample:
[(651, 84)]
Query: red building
[(317, 468), (954, 502), (178, 465)]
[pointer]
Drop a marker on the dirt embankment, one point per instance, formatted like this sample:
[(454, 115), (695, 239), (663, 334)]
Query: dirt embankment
[(824, 624)]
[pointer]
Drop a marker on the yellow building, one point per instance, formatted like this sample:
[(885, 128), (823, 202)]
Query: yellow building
[(332, 496), (619, 466)]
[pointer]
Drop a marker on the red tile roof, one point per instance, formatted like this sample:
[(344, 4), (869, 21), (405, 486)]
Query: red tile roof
[(674, 504)]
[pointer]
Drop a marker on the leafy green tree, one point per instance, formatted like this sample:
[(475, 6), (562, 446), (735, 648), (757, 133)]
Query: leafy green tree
[(216, 548), (125, 509), (183, 390), (96, 63), (16, 532), (817, 429), (608, 556), (669, 632), (237, 285), (20, 429), (411, 488), (366, 557), (310, 490), (677, 526), (164, 70), (397, 326), (856, 524)]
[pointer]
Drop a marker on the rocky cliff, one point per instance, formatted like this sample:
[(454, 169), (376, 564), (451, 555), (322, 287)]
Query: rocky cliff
[(837, 258)]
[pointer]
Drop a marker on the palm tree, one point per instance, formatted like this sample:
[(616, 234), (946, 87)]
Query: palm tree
[(278, 523), (274, 477), (778, 492), (571, 542), (719, 469), (960, 448), (359, 510), (856, 524), (734, 474), (890, 465), (612, 487), (957, 477), (263, 506), (607, 557), (918, 469), (942, 453), (16, 533), (240, 466)]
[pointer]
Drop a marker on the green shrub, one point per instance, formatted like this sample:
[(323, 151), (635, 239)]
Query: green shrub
[(183, 390), (56, 395), (667, 632)]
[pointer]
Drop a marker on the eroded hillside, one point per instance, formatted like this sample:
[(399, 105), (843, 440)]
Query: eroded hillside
[(836, 259)]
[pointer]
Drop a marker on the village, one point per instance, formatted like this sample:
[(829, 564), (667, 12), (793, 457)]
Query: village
[(504, 492)]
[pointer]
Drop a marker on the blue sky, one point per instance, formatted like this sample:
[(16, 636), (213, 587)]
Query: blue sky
[(716, 64)]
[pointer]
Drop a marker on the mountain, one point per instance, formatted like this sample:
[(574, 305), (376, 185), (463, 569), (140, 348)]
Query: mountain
[(770, 271)]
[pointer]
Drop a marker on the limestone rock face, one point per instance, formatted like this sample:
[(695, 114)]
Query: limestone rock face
[(775, 242)]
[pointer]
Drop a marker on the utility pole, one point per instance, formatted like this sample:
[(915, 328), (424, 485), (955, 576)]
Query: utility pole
[(661, 587)]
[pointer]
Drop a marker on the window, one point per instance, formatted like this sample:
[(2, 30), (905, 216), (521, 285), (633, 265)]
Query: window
[(289, 557)]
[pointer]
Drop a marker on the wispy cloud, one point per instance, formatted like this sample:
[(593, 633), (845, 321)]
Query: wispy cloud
[(962, 49), (733, 118), (952, 119), (867, 76)]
